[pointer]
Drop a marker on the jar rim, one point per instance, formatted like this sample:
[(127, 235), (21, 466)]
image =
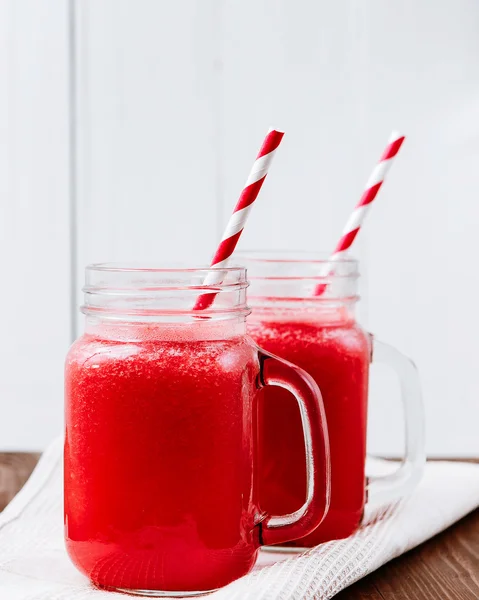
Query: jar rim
[(134, 267), (291, 277), (295, 256), (139, 290)]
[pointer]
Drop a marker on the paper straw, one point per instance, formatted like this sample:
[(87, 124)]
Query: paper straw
[(362, 208), (240, 214)]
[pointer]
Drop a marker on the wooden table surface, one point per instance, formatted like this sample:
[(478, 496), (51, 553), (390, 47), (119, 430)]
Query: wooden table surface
[(444, 568)]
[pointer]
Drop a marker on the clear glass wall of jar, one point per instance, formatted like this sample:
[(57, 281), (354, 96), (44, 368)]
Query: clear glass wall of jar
[(161, 418), (319, 332)]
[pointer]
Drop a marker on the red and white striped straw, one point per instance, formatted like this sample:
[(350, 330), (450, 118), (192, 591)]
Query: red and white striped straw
[(240, 214), (359, 213)]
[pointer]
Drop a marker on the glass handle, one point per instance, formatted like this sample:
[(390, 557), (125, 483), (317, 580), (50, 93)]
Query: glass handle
[(392, 487), (278, 529)]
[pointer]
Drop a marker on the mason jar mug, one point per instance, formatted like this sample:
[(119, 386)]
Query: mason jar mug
[(303, 311), (161, 477)]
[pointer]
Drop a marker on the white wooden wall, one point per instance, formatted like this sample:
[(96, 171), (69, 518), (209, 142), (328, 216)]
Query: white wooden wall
[(35, 327), (173, 99)]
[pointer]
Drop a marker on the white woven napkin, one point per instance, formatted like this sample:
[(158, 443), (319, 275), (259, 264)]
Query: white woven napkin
[(34, 564)]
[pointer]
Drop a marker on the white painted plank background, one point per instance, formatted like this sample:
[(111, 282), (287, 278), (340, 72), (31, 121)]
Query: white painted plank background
[(34, 220), (421, 243), (173, 100), (147, 84)]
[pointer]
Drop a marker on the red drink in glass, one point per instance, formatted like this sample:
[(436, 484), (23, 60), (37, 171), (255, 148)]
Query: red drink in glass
[(161, 435), (160, 461), (335, 351), (321, 335)]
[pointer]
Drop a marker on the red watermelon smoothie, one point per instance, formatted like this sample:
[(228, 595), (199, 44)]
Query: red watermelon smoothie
[(335, 351), (161, 449), (159, 455)]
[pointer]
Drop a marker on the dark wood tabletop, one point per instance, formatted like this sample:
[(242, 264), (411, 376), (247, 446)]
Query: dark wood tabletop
[(444, 568)]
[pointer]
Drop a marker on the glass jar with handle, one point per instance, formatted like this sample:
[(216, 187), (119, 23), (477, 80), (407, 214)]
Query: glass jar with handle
[(161, 494), (319, 332)]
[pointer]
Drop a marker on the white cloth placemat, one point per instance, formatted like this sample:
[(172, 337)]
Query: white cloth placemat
[(34, 564)]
